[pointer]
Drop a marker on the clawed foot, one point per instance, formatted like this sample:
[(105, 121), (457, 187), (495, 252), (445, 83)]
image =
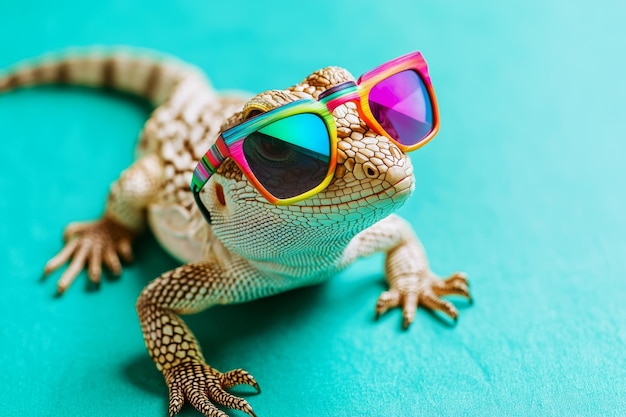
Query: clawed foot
[(426, 291), (91, 243), (204, 387)]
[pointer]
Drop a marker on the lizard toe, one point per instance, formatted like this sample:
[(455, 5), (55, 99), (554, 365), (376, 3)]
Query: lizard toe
[(433, 302), (239, 377), (386, 301), (456, 284)]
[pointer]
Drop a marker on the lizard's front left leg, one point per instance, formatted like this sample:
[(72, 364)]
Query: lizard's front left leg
[(108, 239), (411, 282), (173, 347)]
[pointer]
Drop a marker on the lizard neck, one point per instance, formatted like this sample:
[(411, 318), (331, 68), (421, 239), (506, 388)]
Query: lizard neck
[(262, 278), (308, 266), (303, 252)]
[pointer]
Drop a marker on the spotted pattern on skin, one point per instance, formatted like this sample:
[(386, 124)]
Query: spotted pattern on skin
[(252, 249), (181, 137)]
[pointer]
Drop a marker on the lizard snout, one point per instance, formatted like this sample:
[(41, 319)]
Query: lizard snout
[(372, 171), (398, 179), (395, 174)]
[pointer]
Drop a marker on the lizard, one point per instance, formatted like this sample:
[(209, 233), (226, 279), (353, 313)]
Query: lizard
[(251, 248)]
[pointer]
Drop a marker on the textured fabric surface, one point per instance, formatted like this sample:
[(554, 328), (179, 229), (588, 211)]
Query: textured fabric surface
[(523, 189)]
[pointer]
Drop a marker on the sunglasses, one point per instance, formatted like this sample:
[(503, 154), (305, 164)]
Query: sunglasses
[(290, 153)]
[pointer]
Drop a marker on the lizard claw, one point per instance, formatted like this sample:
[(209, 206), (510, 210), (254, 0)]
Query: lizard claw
[(92, 244), (204, 387), (427, 292)]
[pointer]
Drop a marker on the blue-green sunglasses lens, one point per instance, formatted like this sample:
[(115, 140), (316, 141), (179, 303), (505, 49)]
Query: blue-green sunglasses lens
[(291, 156)]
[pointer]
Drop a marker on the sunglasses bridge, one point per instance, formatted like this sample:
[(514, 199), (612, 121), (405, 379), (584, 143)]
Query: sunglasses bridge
[(339, 94)]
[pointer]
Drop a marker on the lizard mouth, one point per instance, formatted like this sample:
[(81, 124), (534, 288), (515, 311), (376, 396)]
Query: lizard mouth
[(397, 193), (340, 201), (404, 186), (393, 195)]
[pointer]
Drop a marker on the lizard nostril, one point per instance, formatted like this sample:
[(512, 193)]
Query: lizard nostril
[(370, 171)]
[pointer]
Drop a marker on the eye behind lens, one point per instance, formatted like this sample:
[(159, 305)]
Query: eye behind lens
[(290, 156), (272, 150)]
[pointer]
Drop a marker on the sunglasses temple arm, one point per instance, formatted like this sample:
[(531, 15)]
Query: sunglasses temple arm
[(200, 204), (205, 168)]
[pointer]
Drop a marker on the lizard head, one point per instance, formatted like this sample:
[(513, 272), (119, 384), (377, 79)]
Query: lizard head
[(373, 178)]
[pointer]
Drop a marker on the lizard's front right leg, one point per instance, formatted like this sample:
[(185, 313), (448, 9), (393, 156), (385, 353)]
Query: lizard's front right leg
[(173, 347), (108, 239)]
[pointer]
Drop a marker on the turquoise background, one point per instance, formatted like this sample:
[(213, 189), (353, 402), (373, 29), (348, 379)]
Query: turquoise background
[(523, 189)]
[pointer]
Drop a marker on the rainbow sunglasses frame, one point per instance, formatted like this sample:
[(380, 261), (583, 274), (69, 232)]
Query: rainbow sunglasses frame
[(230, 142)]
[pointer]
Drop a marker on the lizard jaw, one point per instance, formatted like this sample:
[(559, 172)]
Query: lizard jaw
[(398, 192)]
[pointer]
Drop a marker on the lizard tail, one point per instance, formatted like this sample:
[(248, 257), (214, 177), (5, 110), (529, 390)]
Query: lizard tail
[(143, 73)]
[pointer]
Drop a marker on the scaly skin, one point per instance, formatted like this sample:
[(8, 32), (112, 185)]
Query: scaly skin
[(252, 249)]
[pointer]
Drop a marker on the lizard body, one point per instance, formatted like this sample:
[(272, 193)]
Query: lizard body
[(252, 248)]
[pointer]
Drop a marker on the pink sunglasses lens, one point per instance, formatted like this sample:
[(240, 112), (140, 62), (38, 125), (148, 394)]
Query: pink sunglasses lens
[(402, 106)]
